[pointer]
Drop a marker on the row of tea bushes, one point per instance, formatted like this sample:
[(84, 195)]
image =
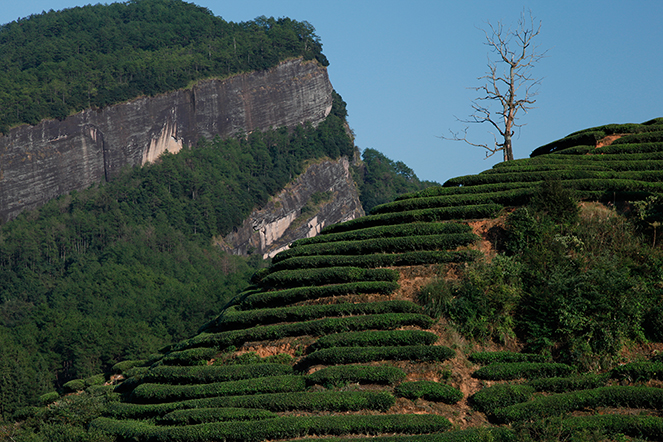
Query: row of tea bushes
[(414, 229), (382, 245), (276, 428), (204, 374), (422, 257), (518, 370), (202, 415), (375, 338), (493, 357), (318, 327), (430, 391), (353, 355), (326, 275), (338, 375), (233, 319)]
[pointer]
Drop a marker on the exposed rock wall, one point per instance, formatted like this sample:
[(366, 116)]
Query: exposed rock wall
[(271, 229), (41, 162)]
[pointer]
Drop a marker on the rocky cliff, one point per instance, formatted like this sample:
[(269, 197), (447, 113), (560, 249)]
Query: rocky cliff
[(324, 194), (40, 162)]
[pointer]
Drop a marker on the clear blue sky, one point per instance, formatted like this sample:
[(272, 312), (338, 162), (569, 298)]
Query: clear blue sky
[(404, 67)]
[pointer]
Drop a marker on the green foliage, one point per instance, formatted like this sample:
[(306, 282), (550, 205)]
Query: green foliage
[(377, 260), (353, 355), (490, 399), (328, 275), (155, 393), (376, 338), (516, 370), (560, 404), (56, 63), (207, 374), (492, 357), (48, 398), (290, 296), (596, 427), (382, 245), (556, 201), (318, 327), (339, 375), (562, 385), (232, 319), (482, 302), (202, 415), (413, 229), (282, 427), (483, 434), (191, 356), (382, 179), (638, 371), (429, 390)]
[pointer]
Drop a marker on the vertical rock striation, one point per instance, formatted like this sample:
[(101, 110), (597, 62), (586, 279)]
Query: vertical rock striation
[(41, 162)]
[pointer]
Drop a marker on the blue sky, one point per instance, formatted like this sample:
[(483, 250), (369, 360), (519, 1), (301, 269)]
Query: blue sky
[(404, 68)]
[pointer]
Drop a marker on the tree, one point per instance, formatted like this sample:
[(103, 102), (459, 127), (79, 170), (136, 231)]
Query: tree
[(513, 87)]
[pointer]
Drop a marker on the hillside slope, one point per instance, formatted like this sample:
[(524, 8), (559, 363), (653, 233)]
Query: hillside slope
[(341, 336)]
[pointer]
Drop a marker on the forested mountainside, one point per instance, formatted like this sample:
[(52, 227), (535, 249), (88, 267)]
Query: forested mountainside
[(62, 62), (387, 326)]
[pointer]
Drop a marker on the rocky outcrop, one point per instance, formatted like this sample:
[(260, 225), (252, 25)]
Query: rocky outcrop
[(41, 162), (324, 194)]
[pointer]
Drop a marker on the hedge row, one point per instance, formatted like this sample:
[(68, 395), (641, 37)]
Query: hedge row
[(630, 148), (232, 319), (319, 327), (324, 276), (278, 402), (203, 415), (494, 434), (378, 260), (382, 245), (517, 370), (571, 165), (485, 188), (430, 391), (392, 338), (640, 427), (505, 197), (353, 355), (291, 296), (638, 371), (559, 404), (363, 374), (648, 137), (422, 216), (572, 383), (501, 395), (191, 356), (277, 428), (413, 229), (148, 393), (492, 357), (472, 180), (207, 374)]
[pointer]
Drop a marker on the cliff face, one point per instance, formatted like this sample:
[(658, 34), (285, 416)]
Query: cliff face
[(41, 162), (324, 194)]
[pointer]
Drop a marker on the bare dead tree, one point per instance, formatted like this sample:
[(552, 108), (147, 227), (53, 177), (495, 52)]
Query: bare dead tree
[(508, 82)]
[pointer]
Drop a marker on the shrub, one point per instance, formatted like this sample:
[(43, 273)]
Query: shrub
[(492, 357), (290, 296), (517, 370), (376, 338), (429, 390), (382, 245), (559, 404), (328, 275), (638, 371), (501, 395), (572, 383), (124, 366), (192, 356), (483, 434), (277, 428), (351, 355), (207, 374), (49, 398), (378, 260), (154, 393), (423, 216), (74, 385), (316, 327), (202, 415), (244, 319), (363, 374), (413, 229)]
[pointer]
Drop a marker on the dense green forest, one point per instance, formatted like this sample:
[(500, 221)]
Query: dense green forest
[(381, 179), (60, 62)]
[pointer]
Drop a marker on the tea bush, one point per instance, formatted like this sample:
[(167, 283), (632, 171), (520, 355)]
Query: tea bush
[(430, 391)]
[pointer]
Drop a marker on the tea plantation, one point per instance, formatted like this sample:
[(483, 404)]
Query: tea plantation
[(395, 326)]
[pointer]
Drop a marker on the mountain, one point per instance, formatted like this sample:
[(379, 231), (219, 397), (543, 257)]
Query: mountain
[(508, 305)]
